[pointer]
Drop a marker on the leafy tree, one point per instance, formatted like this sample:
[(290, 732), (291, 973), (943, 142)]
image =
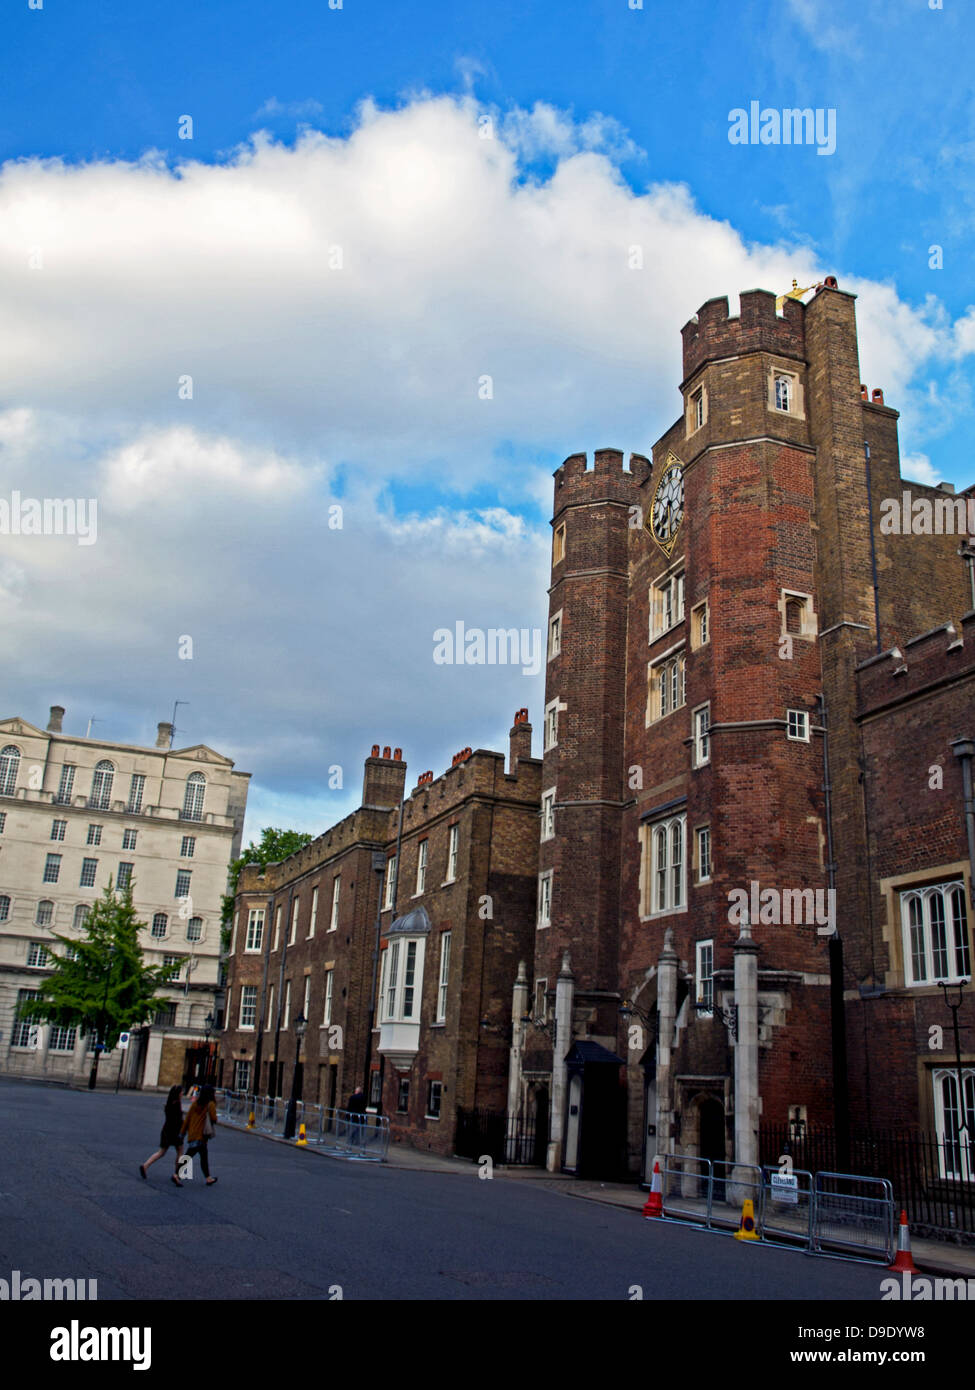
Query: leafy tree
[(275, 845), (100, 983)]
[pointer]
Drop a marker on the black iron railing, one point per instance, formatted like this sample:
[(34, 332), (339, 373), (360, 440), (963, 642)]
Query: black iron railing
[(933, 1178), (508, 1139)]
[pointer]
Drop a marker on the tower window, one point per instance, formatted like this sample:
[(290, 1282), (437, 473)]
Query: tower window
[(797, 725), (558, 544)]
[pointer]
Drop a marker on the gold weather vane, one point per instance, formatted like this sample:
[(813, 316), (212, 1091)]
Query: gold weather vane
[(794, 293)]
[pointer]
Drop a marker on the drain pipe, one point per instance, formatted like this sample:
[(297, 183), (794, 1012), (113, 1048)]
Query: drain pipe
[(964, 749), (837, 1007)]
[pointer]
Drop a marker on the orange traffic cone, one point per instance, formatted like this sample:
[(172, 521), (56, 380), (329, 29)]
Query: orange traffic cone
[(904, 1260), (250, 1121), (301, 1134), (654, 1205)]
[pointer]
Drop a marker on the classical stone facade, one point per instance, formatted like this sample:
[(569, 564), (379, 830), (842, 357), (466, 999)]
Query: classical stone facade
[(732, 774), (76, 812)]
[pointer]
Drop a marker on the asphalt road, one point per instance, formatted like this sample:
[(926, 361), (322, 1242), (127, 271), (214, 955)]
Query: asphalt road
[(283, 1223)]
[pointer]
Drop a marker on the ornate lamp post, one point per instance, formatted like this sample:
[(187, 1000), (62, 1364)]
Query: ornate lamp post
[(289, 1119), (953, 998)]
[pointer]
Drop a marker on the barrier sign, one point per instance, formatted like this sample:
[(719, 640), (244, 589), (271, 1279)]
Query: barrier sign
[(785, 1189), (123, 1039)]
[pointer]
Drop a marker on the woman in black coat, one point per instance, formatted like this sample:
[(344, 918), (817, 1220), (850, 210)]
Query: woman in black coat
[(170, 1136)]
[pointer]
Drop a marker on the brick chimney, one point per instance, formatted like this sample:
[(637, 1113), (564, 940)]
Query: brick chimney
[(54, 723), (164, 734), (519, 740), (384, 778)]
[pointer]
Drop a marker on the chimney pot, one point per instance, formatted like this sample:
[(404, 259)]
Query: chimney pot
[(397, 754), (375, 751), (386, 751), (164, 734), (878, 396), (864, 393), (54, 723)]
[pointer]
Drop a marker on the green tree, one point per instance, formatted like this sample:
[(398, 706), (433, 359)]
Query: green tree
[(275, 845), (100, 983)]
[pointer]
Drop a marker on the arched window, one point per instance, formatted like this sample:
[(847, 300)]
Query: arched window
[(196, 785), (81, 914), (4, 908), (194, 929), (160, 924), (101, 786), (9, 765), (45, 913)]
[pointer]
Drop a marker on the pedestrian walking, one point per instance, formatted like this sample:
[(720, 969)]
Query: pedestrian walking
[(199, 1124), (357, 1109), (170, 1137)]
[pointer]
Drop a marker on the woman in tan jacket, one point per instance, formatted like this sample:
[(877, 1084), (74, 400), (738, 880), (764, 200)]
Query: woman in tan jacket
[(199, 1124)]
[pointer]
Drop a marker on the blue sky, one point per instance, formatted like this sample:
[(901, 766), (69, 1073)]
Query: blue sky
[(462, 257)]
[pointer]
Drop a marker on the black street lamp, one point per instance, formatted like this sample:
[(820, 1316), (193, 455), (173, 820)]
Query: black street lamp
[(204, 1067), (99, 1044), (953, 999), (289, 1119)]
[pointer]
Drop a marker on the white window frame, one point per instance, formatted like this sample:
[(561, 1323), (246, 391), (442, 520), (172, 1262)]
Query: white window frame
[(52, 868), (94, 836), (558, 544), (37, 955), (187, 847), (183, 889), (66, 784), (129, 838), (797, 725), (666, 604), (159, 928), (555, 635), (102, 784), (336, 894), (704, 975), (277, 928), (666, 881), (453, 844), (89, 872), (198, 936), (137, 788), (551, 725), (21, 1027), (248, 1007), (10, 757), (548, 815), (544, 918), (124, 872), (697, 410), (5, 905), (389, 883), (700, 625), (422, 850), (286, 1013), (41, 917), (306, 1002), (444, 976), (293, 934), (58, 829), (329, 985), (404, 980), (255, 931), (701, 732), (956, 1147), (431, 1113), (194, 797), (668, 686), (702, 837), (269, 1021), (314, 912), (957, 951)]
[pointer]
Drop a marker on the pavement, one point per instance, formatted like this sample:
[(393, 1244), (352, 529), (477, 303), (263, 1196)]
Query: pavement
[(282, 1225), (930, 1256)]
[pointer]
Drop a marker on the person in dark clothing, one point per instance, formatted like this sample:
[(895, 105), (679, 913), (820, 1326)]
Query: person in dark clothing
[(170, 1137), (357, 1102)]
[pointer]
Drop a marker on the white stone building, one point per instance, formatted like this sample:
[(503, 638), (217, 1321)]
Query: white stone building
[(75, 812)]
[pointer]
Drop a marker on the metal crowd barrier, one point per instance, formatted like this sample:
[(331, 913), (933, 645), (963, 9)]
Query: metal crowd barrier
[(842, 1215), (341, 1133)]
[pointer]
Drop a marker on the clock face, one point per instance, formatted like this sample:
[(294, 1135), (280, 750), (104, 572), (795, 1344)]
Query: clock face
[(667, 507)]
